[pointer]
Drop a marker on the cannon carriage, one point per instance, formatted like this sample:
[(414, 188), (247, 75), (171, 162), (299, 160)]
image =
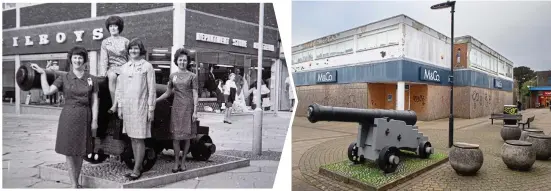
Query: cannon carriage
[(109, 138), (381, 134)]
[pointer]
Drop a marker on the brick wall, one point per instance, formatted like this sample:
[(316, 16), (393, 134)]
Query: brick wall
[(241, 11), (9, 19), (116, 8), (54, 12)]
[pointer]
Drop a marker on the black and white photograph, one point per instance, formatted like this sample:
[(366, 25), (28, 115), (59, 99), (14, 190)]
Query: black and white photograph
[(143, 95)]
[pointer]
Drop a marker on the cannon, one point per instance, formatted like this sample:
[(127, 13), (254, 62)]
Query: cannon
[(381, 134), (109, 138)]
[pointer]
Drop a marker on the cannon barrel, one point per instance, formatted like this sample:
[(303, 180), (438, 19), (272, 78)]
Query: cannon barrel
[(318, 112), (28, 79)]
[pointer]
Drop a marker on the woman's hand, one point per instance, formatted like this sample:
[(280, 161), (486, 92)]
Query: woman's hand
[(150, 115), (194, 118), (119, 112), (94, 128), (37, 68)]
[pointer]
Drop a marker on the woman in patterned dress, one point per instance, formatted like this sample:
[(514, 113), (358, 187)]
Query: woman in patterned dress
[(113, 55), (183, 84), (136, 101), (78, 119)]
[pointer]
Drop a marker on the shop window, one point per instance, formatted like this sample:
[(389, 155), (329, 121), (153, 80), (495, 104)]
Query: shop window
[(549, 80), (160, 59), (8, 81)]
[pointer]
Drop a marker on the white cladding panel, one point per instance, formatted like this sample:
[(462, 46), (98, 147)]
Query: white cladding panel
[(426, 48)]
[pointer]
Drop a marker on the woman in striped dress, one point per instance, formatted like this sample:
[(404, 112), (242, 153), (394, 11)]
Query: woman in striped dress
[(136, 101)]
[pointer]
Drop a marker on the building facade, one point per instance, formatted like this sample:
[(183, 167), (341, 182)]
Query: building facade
[(540, 95), (222, 36), (399, 63)]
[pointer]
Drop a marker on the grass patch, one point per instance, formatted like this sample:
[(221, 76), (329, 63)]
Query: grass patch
[(370, 174)]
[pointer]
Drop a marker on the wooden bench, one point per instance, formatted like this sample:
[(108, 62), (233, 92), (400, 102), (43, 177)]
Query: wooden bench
[(505, 117), (527, 122)]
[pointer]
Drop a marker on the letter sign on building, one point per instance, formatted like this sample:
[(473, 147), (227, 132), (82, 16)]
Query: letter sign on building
[(498, 84), (326, 77), (426, 74), (212, 38), (239, 42)]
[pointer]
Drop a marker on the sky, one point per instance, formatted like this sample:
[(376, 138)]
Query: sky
[(519, 31)]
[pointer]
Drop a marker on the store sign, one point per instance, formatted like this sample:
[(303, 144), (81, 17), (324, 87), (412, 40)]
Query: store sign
[(498, 83), (87, 33), (212, 38), (226, 40), (267, 47), (546, 93), (326, 77), (239, 42), (60, 37), (426, 74)]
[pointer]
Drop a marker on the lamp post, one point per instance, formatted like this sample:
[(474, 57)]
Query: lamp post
[(443, 6), (257, 121)]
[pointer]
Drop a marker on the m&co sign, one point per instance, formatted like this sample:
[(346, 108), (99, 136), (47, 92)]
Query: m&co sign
[(546, 93)]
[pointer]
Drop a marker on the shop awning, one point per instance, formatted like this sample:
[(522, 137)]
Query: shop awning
[(540, 88)]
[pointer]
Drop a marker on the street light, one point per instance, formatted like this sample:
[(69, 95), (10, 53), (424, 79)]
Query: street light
[(442, 6)]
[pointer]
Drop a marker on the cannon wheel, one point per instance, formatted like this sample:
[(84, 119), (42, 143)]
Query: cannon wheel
[(199, 151), (95, 158), (150, 158), (384, 157), (353, 154), (423, 149)]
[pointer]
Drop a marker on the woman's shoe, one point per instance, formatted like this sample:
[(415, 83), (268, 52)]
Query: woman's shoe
[(183, 169), (79, 186), (177, 169), (134, 176)]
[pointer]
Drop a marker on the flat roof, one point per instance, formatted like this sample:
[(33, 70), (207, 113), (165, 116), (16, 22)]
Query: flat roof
[(478, 44), (402, 18)]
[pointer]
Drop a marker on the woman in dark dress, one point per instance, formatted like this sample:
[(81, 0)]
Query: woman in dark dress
[(78, 119), (183, 84), (220, 92)]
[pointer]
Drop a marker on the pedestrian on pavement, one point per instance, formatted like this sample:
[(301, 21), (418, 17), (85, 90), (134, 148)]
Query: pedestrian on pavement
[(113, 55), (136, 101), (183, 83), (220, 92), (291, 90), (230, 90), (78, 120), (519, 106)]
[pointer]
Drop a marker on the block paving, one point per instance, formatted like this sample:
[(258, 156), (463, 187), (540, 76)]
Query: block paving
[(323, 143)]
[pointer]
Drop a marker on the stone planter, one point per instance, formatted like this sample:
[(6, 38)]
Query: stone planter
[(466, 159), (518, 155), (527, 132), (541, 145), (510, 132)]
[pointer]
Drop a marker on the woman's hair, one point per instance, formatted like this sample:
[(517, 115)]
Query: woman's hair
[(139, 43), (77, 50), (114, 20), (231, 74), (182, 52)]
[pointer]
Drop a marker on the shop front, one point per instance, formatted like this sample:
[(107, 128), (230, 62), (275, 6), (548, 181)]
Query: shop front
[(47, 46), (223, 46)]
